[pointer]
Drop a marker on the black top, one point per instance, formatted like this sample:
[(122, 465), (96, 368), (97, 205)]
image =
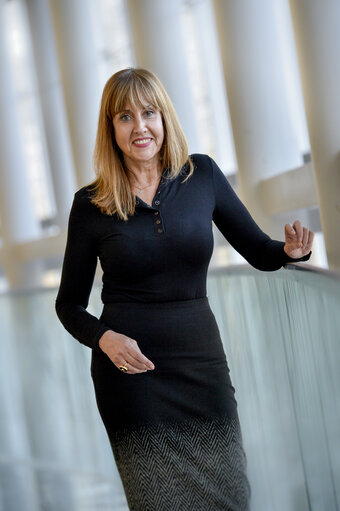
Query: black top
[(162, 252)]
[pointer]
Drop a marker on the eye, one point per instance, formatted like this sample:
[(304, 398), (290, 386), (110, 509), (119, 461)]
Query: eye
[(149, 113), (124, 117)]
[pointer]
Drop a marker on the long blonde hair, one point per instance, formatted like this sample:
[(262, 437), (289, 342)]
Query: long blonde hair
[(112, 192)]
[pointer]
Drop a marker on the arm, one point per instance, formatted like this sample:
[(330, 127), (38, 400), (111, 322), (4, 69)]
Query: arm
[(78, 271), (237, 225)]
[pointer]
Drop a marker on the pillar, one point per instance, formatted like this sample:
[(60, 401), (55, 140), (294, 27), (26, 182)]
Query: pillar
[(316, 27), (159, 47), (52, 107), (265, 142), (212, 71), (18, 219), (78, 63)]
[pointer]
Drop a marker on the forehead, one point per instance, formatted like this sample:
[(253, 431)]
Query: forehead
[(133, 97), (128, 107)]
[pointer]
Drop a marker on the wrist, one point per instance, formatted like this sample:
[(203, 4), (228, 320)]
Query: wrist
[(105, 339), (287, 251)]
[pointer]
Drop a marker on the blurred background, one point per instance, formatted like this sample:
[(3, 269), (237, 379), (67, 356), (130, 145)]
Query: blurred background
[(256, 86)]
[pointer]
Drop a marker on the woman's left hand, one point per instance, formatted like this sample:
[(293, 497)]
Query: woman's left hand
[(299, 240)]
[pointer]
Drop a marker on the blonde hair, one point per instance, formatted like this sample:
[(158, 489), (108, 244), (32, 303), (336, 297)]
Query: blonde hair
[(112, 192)]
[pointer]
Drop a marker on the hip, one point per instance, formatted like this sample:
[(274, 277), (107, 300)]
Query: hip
[(183, 328), (191, 375)]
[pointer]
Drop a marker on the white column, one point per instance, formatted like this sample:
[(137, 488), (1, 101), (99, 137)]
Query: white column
[(159, 47), (317, 35), (212, 71), (18, 219), (265, 141), (292, 73), (78, 61), (53, 108), (19, 482)]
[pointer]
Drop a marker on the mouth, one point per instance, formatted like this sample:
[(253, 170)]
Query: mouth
[(142, 142)]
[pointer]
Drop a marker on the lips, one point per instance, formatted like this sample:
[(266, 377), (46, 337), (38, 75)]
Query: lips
[(142, 142)]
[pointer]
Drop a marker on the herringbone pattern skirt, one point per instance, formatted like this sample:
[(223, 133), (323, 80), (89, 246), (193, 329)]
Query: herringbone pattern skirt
[(174, 431)]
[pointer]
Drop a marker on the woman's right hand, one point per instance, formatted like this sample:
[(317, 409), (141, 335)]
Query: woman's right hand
[(122, 350)]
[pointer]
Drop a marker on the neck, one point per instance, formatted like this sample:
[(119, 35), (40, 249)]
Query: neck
[(143, 173)]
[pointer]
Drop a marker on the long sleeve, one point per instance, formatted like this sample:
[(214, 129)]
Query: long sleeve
[(239, 228), (78, 271)]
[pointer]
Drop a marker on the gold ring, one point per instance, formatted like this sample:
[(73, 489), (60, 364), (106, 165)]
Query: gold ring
[(123, 368)]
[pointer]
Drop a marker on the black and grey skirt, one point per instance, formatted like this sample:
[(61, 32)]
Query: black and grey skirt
[(174, 431)]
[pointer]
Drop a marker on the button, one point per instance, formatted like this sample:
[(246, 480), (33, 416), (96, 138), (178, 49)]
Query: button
[(158, 221), (160, 230), (157, 202), (156, 212)]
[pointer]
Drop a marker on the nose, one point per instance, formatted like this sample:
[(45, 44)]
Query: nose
[(139, 124)]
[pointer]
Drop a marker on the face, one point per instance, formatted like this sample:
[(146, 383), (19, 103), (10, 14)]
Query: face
[(139, 133)]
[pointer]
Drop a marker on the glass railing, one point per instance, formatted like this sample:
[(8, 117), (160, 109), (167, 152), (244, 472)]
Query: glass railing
[(281, 336), (281, 333)]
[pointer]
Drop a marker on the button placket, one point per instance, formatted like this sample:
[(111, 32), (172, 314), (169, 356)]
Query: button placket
[(158, 223), (158, 220)]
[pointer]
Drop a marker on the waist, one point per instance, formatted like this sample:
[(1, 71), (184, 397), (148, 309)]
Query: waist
[(172, 330), (193, 304)]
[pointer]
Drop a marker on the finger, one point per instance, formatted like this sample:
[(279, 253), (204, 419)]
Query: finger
[(310, 240), (122, 359), (136, 353), (305, 237), (131, 368), (289, 231), (299, 231), (136, 362), (134, 370)]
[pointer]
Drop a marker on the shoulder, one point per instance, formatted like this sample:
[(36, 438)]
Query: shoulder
[(201, 164), (82, 200), (200, 160), (208, 165), (209, 171), (84, 194)]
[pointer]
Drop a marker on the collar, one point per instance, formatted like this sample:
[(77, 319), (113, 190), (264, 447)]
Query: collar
[(164, 181)]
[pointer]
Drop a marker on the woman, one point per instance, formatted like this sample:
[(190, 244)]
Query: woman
[(159, 370)]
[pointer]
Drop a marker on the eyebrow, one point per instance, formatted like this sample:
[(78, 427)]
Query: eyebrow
[(130, 111)]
